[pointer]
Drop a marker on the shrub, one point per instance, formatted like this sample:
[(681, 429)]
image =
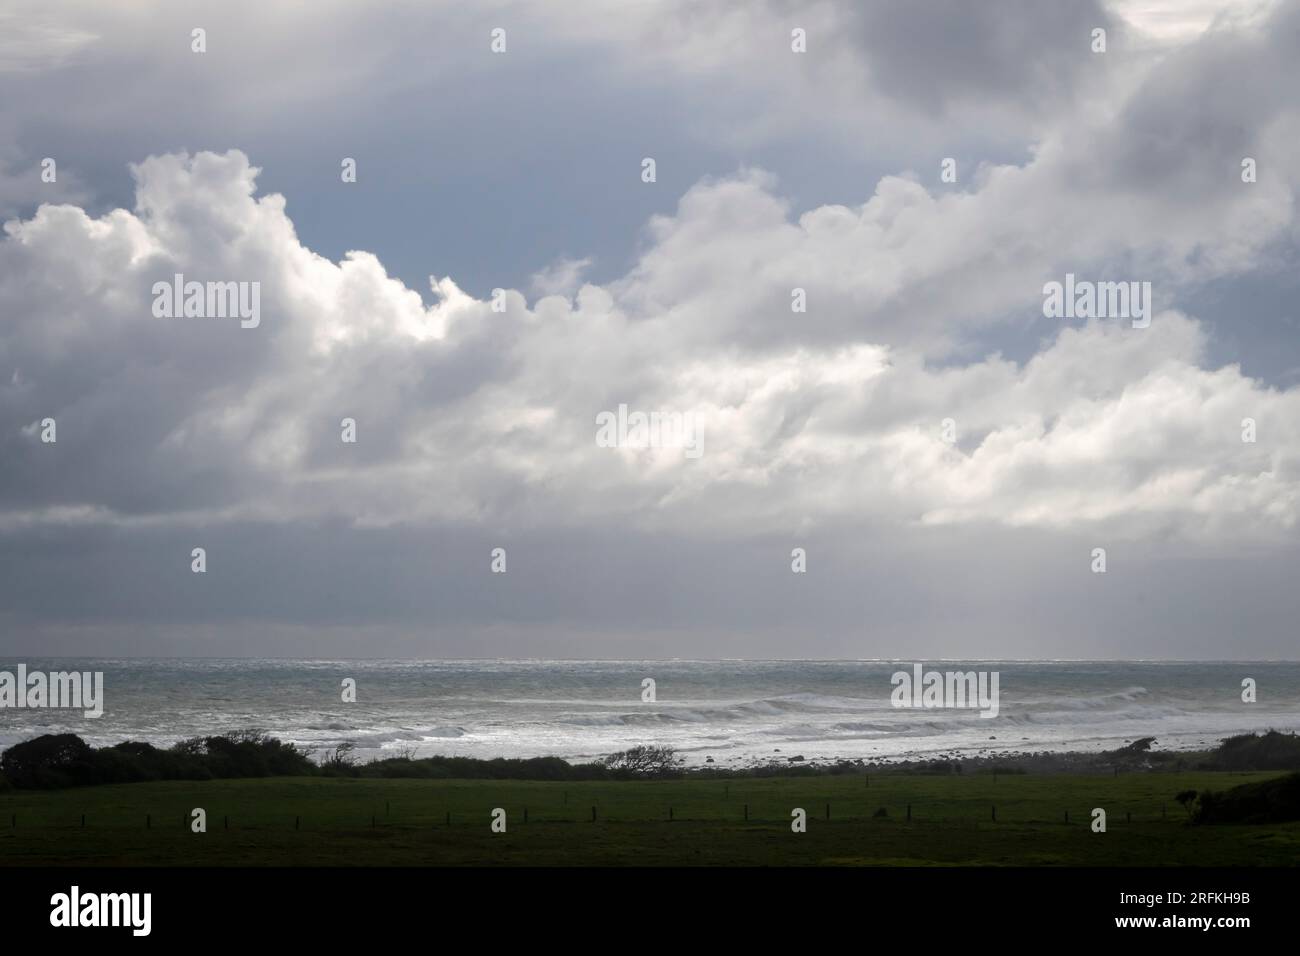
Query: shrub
[(341, 763), (48, 762), (246, 753), (1268, 801), (644, 761), (1268, 751)]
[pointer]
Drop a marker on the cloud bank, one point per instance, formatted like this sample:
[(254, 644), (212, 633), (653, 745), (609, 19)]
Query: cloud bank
[(873, 378)]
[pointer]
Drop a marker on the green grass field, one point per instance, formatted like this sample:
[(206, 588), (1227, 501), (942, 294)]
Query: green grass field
[(951, 823)]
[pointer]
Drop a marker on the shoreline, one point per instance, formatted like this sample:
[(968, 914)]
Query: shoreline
[(815, 758)]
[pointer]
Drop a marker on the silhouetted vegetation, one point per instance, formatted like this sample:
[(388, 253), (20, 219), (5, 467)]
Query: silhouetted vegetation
[(54, 761), (48, 762), (1139, 746), (1268, 801), (1269, 751), (341, 763), (644, 761)]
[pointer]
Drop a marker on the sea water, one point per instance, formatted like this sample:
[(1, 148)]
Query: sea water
[(735, 712)]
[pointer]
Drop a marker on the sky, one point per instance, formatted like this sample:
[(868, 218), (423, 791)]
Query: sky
[(860, 341)]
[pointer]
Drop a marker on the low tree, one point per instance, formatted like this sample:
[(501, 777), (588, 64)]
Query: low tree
[(49, 761), (645, 761), (342, 762)]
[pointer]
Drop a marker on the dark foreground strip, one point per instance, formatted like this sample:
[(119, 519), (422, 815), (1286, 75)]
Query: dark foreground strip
[(597, 907)]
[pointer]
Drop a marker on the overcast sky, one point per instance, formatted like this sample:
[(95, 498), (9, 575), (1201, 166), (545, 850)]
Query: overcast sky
[(823, 430)]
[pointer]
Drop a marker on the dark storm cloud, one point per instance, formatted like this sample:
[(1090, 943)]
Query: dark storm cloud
[(947, 56)]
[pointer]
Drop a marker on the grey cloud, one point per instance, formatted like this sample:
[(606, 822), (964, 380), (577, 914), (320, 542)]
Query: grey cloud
[(947, 56), (868, 593)]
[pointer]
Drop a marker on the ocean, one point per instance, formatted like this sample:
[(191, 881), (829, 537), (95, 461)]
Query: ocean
[(730, 713)]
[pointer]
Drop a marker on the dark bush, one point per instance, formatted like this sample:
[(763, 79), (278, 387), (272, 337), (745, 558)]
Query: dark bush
[(1269, 751), (65, 760), (48, 762), (247, 753), (341, 763), (645, 761), (1268, 801)]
